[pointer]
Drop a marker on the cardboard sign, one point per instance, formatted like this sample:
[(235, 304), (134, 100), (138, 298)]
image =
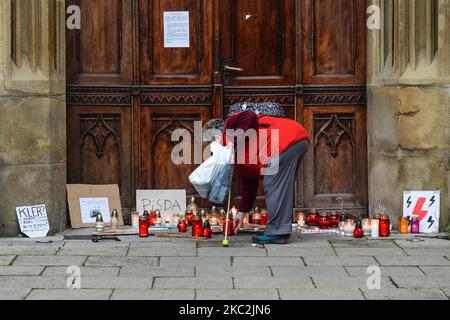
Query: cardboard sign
[(33, 221), (176, 29), (425, 205), (168, 202), (86, 201)]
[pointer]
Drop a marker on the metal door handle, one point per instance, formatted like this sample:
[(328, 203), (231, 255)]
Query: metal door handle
[(233, 69)]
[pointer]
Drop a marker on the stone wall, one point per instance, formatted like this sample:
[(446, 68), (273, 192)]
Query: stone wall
[(32, 110), (408, 103)]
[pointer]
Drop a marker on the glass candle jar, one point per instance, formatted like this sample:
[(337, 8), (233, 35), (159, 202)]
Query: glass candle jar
[(333, 219), (264, 217), (114, 219), (230, 226), (415, 225), (197, 228), (342, 219), (190, 217), (99, 225), (375, 228), (135, 220), (256, 217), (312, 219), (207, 232), (182, 226), (301, 219), (349, 227), (359, 232), (385, 226), (151, 218), (367, 226), (403, 227), (143, 227), (323, 222)]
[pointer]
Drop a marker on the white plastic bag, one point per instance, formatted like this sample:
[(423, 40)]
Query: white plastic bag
[(203, 177)]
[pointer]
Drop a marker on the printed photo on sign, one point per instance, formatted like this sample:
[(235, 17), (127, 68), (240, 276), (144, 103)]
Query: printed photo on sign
[(426, 206), (91, 207), (33, 221)]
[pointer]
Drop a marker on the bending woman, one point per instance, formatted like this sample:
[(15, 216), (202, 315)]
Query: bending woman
[(290, 142)]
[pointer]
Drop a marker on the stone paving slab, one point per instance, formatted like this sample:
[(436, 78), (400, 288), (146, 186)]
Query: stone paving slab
[(49, 260), (387, 271), (163, 251), (299, 252), (304, 243), (413, 261), (195, 261), (193, 283), (428, 252), (112, 282), (85, 271), (321, 294), (35, 282), (153, 294), (234, 252), (93, 251), (104, 261), (6, 259), (308, 271), (169, 271), (370, 252), (14, 293), (102, 244), (405, 294), (446, 291), (66, 294), (340, 261), (29, 250), (232, 271), (365, 244), (330, 282), (267, 261), (21, 271), (148, 242), (238, 294), (443, 271), (422, 282), (260, 282), (427, 244)]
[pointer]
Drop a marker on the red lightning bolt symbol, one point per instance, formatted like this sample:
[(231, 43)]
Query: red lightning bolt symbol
[(418, 209)]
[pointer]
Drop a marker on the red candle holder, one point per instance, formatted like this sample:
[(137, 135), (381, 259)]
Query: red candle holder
[(151, 219), (207, 232), (312, 219), (182, 226), (264, 218), (323, 221), (143, 227), (359, 231), (385, 226), (190, 218), (230, 226), (197, 228), (333, 220)]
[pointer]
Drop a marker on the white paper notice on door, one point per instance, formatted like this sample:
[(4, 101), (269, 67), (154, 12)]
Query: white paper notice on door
[(176, 29)]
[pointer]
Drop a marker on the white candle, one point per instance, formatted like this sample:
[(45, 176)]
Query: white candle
[(135, 220), (375, 225)]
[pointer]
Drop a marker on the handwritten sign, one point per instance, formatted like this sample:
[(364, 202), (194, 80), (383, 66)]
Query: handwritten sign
[(425, 205), (166, 201), (176, 29), (33, 221)]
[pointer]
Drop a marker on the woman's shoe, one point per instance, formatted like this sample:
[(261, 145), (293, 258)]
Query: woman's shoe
[(264, 239)]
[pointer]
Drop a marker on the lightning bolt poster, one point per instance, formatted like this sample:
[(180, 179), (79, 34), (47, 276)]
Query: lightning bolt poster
[(425, 205)]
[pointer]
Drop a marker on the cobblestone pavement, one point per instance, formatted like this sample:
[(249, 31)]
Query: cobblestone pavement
[(309, 267)]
